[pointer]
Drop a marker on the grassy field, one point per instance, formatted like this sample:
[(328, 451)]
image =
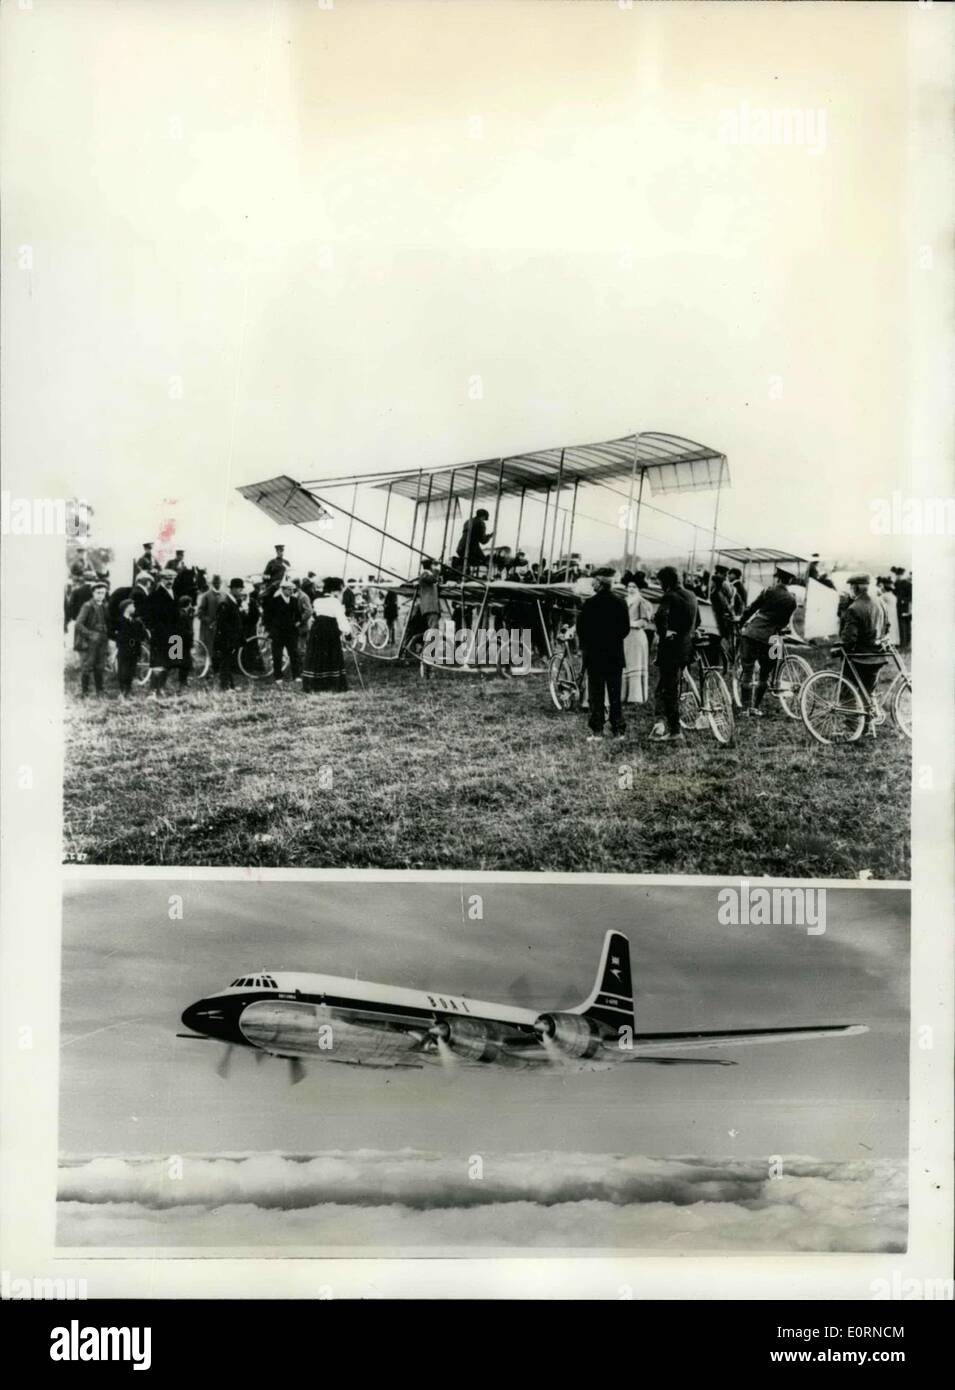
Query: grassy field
[(466, 772)]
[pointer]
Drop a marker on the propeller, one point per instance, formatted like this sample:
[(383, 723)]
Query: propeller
[(225, 1062), (440, 1033), (544, 1028), (296, 1070)]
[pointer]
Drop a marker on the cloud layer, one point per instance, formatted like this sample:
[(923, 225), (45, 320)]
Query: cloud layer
[(412, 1200)]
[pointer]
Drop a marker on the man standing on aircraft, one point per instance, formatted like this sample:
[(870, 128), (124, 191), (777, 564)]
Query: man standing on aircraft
[(602, 625), (675, 621), (474, 537)]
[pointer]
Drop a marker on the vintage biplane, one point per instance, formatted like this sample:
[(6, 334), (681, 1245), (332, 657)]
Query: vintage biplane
[(393, 520)]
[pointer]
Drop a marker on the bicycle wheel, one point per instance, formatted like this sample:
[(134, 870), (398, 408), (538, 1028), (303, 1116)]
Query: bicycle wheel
[(736, 681), (690, 707), (563, 674), (201, 661), (718, 707), (831, 708), (899, 701), (255, 658), (791, 675), (377, 634), (142, 665)]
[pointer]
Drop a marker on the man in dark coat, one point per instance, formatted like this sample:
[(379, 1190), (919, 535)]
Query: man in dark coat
[(276, 568), (474, 537), (602, 625), (675, 621), (137, 594), (229, 634), (186, 631), (282, 616), (722, 603), (91, 639), (903, 599), (769, 613), (186, 582), (130, 633), (147, 563), (162, 619)]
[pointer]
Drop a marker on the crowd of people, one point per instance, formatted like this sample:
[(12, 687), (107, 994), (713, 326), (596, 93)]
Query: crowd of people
[(614, 624), (165, 604), (624, 622)]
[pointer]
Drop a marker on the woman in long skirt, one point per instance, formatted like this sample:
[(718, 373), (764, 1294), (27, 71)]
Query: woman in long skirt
[(636, 650), (324, 667)]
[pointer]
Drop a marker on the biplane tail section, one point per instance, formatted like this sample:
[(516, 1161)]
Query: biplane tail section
[(285, 501), (611, 1002)]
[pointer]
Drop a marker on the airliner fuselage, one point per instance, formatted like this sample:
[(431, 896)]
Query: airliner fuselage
[(359, 1023)]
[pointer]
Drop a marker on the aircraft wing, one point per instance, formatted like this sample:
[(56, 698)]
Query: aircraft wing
[(649, 1046)]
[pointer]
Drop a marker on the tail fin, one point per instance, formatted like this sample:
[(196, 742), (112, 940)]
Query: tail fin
[(611, 1002)]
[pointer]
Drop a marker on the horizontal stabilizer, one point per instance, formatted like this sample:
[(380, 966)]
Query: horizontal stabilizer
[(285, 501)]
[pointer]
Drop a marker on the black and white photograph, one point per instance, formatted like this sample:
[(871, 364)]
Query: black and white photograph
[(455, 520), (504, 1068), (478, 598)]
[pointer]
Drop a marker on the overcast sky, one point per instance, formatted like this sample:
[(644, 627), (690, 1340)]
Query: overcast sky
[(289, 242), (129, 1085)]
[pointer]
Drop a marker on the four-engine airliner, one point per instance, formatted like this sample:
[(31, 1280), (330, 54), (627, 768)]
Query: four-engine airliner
[(324, 1017)]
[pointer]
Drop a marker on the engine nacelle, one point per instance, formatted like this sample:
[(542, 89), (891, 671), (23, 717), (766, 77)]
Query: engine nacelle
[(470, 1038), (571, 1034)]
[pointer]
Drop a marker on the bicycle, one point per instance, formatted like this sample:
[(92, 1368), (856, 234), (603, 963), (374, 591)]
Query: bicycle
[(201, 662), (836, 706), (255, 657), (787, 677), (716, 704), (367, 631), (565, 670)]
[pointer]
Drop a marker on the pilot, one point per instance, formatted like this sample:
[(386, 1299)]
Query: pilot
[(474, 536)]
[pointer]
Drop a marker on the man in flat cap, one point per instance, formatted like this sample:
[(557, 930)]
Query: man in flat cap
[(282, 616), (91, 639), (769, 614), (862, 632), (162, 619)]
